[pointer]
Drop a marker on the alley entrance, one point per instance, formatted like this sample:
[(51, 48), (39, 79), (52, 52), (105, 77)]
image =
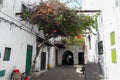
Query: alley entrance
[(67, 58)]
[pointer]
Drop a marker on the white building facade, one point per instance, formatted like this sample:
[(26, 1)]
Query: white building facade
[(108, 35), (18, 41)]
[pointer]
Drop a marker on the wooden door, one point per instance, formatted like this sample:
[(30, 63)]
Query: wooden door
[(28, 60)]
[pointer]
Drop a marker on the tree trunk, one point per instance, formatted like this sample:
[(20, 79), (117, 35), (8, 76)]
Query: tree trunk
[(38, 48)]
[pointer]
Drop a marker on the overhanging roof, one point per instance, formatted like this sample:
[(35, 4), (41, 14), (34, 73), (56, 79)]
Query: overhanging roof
[(59, 44)]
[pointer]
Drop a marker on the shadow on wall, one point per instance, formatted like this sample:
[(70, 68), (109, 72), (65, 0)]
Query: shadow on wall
[(67, 58)]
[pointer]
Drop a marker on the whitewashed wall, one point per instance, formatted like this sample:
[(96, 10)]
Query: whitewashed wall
[(109, 22), (17, 40), (15, 34), (92, 49), (52, 57)]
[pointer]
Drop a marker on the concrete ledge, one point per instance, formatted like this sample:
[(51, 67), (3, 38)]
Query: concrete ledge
[(37, 74)]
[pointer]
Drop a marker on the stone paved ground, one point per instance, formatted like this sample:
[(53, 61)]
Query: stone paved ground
[(61, 73), (93, 72)]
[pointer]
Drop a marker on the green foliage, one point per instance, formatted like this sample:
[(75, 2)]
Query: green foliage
[(65, 21), (25, 13), (95, 17), (74, 23), (74, 41)]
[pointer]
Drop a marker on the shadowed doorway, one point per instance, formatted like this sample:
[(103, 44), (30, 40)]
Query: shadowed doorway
[(81, 58), (67, 58)]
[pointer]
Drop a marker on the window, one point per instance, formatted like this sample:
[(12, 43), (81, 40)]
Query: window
[(113, 51), (112, 37), (25, 12), (100, 47), (7, 54)]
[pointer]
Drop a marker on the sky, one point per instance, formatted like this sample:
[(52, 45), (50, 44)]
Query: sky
[(73, 3)]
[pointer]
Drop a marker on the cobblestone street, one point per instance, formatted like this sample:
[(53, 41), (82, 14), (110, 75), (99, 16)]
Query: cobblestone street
[(61, 73)]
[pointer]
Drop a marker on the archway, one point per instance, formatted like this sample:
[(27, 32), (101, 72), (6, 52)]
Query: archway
[(68, 58)]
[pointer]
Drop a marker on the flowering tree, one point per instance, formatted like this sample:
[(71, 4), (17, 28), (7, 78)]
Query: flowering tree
[(54, 18)]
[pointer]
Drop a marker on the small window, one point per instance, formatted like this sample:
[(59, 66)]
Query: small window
[(100, 47), (112, 37), (113, 52), (25, 13), (7, 54)]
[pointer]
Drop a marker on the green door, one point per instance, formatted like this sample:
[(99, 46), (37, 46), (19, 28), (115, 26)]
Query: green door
[(28, 60)]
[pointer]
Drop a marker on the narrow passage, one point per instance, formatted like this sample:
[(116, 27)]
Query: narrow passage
[(62, 73)]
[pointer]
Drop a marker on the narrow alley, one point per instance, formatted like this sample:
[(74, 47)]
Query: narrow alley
[(56, 39), (61, 73)]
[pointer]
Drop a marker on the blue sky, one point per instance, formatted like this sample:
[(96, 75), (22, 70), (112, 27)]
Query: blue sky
[(73, 3)]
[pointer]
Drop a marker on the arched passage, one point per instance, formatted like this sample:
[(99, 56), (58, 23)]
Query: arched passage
[(67, 58)]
